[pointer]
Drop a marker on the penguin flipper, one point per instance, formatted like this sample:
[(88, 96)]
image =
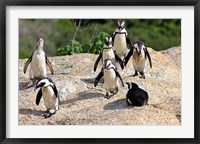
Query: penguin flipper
[(126, 59), (39, 96), (53, 86), (99, 76), (49, 65), (97, 61), (27, 63), (56, 92), (128, 41), (119, 60), (117, 73), (54, 89), (113, 37), (149, 57)]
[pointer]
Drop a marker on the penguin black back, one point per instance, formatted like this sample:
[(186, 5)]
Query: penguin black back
[(136, 96)]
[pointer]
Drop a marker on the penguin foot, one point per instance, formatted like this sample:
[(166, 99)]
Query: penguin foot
[(107, 95), (142, 75), (47, 114), (136, 73), (30, 84), (116, 91)]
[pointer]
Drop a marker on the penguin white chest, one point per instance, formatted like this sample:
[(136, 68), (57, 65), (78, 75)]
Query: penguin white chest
[(139, 61), (38, 64), (110, 79), (120, 44), (50, 100), (109, 54)]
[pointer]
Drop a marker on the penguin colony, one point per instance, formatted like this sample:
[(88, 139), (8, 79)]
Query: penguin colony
[(117, 50)]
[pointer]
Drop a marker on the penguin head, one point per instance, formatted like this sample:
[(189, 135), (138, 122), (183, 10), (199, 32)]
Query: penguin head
[(40, 42), (132, 85), (139, 46), (120, 25), (108, 64), (108, 41), (43, 82)]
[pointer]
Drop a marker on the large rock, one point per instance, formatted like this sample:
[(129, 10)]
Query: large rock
[(84, 104)]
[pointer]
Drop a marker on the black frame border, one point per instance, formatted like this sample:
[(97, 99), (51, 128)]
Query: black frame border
[(5, 3)]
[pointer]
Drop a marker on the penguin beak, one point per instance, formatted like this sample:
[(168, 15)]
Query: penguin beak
[(36, 87), (105, 66), (139, 51)]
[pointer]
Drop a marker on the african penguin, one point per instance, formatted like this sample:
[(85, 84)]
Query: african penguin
[(49, 93), (111, 78), (121, 42), (107, 52), (136, 96), (38, 62), (139, 52)]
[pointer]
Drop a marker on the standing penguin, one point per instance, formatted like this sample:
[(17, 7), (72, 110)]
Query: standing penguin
[(136, 96), (50, 95), (111, 81), (140, 53), (121, 42), (38, 62), (107, 52)]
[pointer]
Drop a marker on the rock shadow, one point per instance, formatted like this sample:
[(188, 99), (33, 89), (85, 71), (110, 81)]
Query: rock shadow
[(83, 96), (31, 112), (91, 80), (118, 104), (23, 85)]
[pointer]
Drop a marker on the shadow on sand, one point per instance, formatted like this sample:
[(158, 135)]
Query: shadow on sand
[(118, 104), (31, 112), (82, 96)]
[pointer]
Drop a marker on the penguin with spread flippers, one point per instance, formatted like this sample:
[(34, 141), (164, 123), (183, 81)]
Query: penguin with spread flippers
[(140, 53), (50, 95), (111, 78), (107, 52), (136, 96), (38, 61)]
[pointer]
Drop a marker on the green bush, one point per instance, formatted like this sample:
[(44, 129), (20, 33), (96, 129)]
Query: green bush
[(76, 47), (98, 43), (24, 53), (71, 48)]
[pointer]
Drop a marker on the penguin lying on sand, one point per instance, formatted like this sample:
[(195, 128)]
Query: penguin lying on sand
[(121, 41), (38, 62), (107, 52), (49, 93), (140, 53), (136, 96), (111, 78)]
